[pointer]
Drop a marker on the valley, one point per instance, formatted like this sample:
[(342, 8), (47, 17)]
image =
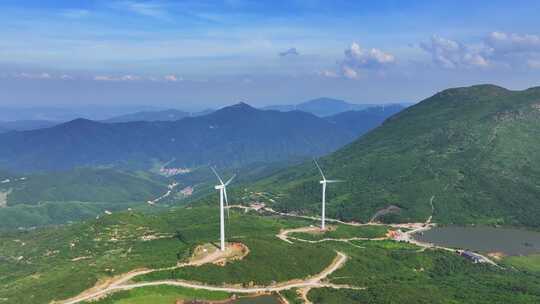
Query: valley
[(123, 235)]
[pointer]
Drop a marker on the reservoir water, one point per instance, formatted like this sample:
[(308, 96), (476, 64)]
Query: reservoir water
[(484, 239)]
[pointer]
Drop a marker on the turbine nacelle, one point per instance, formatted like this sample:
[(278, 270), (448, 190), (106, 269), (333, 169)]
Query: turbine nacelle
[(330, 181)]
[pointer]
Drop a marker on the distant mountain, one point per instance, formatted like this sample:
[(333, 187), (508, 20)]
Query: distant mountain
[(233, 136), (362, 121), (25, 125), (281, 108), (165, 115), (63, 114), (472, 154), (323, 107)]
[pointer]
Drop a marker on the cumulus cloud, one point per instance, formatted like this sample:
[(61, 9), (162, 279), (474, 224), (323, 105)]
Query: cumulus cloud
[(349, 72), (120, 78), (452, 54), (172, 78), (66, 77), (496, 49), (34, 76), (358, 59), (289, 52), (130, 78), (329, 74), (513, 43)]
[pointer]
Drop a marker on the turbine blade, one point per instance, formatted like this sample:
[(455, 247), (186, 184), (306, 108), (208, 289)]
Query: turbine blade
[(217, 175), (319, 167), (335, 181), (226, 202), (230, 180)]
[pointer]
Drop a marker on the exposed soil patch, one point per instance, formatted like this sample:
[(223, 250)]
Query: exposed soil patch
[(210, 253), (496, 255), (388, 210)]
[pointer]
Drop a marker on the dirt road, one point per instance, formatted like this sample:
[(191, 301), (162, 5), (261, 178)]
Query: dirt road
[(315, 281)]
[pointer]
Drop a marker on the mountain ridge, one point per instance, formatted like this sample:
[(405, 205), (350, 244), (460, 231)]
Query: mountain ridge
[(234, 135), (473, 150)]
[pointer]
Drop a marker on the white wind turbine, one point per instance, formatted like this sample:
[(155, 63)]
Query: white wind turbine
[(222, 187), (323, 182)]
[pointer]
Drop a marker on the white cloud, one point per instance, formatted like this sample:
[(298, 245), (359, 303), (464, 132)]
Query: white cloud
[(130, 78), (513, 43), (497, 49), (149, 9), (452, 54), (172, 78), (120, 78), (329, 74), (104, 78), (359, 60), (349, 72), (34, 75), (41, 76)]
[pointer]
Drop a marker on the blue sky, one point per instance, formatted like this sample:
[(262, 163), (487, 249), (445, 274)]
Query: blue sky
[(194, 54)]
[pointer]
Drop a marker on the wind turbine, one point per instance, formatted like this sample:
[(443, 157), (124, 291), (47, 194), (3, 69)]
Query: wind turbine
[(323, 182), (222, 187)]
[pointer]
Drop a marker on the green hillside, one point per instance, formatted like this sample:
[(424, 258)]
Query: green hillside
[(60, 262), (61, 197), (85, 185), (473, 152)]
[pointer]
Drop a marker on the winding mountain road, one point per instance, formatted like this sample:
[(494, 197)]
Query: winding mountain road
[(315, 281)]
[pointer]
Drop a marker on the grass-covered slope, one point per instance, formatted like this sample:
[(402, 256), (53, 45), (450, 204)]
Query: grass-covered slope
[(57, 263), (399, 273), (474, 152), (60, 197), (85, 185)]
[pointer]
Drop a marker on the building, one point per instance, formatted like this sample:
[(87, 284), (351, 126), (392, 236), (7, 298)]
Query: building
[(475, 258)]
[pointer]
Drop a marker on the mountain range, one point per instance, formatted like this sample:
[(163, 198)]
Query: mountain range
[(322, 107), (164, 115), (25, 125), (325, 106), (362, 121), (464, 155), (233, 136), (66, 113)]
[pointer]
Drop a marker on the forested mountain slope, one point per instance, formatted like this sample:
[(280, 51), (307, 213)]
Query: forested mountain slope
[(473, 152)]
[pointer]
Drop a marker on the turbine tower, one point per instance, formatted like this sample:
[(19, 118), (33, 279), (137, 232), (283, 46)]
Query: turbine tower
[(222, 187), (323, 182)]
